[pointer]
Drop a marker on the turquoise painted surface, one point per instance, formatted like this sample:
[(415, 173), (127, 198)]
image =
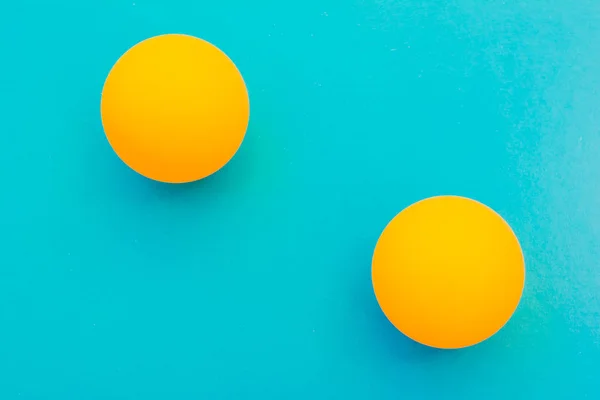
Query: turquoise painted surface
[(255, 283)]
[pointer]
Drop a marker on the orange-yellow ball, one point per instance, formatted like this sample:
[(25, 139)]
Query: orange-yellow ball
[(448, 272), (175, 108)]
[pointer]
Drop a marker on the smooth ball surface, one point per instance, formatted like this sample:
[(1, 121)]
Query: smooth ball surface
[(448, 272), (175, 108)]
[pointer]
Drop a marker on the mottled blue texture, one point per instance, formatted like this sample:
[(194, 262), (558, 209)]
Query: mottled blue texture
[(255, 284)]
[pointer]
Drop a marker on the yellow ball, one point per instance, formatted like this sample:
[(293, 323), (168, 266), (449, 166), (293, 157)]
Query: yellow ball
[(175, 108), (448, 272)]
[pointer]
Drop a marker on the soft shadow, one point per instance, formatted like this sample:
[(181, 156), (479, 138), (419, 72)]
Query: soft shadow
[(220, 181), (241, 174)]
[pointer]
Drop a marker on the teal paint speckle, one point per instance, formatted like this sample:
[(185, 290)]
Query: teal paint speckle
[(256, 282)]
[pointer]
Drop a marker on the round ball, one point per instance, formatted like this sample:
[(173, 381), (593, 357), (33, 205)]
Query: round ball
[(175, 108), (448, 272)]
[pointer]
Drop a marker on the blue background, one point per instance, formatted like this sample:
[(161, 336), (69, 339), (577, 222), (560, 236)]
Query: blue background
[(255, 283)]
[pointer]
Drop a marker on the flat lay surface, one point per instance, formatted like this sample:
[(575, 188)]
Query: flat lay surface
[(256, 282)]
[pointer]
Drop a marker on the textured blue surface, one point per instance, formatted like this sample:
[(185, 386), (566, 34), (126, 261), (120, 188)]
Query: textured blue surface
[(256, 282)]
